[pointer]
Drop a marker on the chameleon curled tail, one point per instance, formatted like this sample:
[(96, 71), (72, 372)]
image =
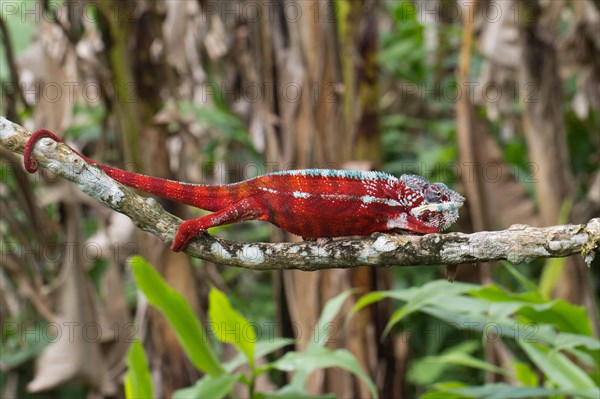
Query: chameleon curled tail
[(209, 197), (311, 203)]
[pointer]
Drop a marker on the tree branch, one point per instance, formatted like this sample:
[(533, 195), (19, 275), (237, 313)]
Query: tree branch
[(520, 243)]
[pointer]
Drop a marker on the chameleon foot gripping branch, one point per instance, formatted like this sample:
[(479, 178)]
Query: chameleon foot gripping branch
[(312, 203)]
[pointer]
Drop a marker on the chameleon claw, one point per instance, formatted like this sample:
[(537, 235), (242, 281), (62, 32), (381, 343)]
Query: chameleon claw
[(322, 241), (183, 237)]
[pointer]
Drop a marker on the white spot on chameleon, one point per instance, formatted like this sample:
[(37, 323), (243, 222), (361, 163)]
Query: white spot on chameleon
[(399, 223), (299, 194), (251, 254), (367, 199), (269, 190)]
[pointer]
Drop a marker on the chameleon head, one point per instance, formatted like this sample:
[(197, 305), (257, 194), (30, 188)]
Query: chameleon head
[(433, 204)]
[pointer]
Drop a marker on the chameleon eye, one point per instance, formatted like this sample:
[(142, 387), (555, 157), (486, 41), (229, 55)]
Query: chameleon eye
[(433, 194)]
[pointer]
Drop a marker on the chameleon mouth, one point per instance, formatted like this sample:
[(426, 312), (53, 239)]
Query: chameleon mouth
[(449, 206), (446, 212)]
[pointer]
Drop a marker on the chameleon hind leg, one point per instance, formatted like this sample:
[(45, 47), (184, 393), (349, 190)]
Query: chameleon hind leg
[(245, 209)]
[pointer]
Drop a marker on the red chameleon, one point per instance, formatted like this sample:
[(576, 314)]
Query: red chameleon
[(312, 203)]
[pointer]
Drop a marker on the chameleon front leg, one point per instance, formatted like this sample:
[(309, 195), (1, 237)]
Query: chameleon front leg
[(245, 209)]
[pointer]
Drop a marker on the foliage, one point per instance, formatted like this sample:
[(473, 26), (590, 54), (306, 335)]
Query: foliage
[(179, 314), (553, 336), (230, 327), (138, 383)]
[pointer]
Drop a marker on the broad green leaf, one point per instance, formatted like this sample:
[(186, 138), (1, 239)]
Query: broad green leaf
[(428, 370), (504, 309), (262, 348), (465, 304), (373, 297), (557, 367), (525, 374), (431, 293), (433, 288), (330, 310), (208, 387), (585, 349), (566, 317), (590, 360), (493, 293), (568, 340), (179, 314), (464, 359), (138, 383), (443, 390), (505, 391), (291, 392), (229, 325), (321, 358), (499, 326)]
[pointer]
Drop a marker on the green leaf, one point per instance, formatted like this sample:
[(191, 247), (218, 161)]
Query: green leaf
[(567, 340), (525, 374), (500, 326), (208, 387), (437, 291), (427, 370), (443, 390), (138, 383), (229, 325), (331, 309), (179, 314), (557, 367), (320, 358), (291, 392), (563, 315), (505, 391), (566, 317), (262, 348), (585, 349), (493, 293), (463, 359), (430, 368), (375, 296)]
